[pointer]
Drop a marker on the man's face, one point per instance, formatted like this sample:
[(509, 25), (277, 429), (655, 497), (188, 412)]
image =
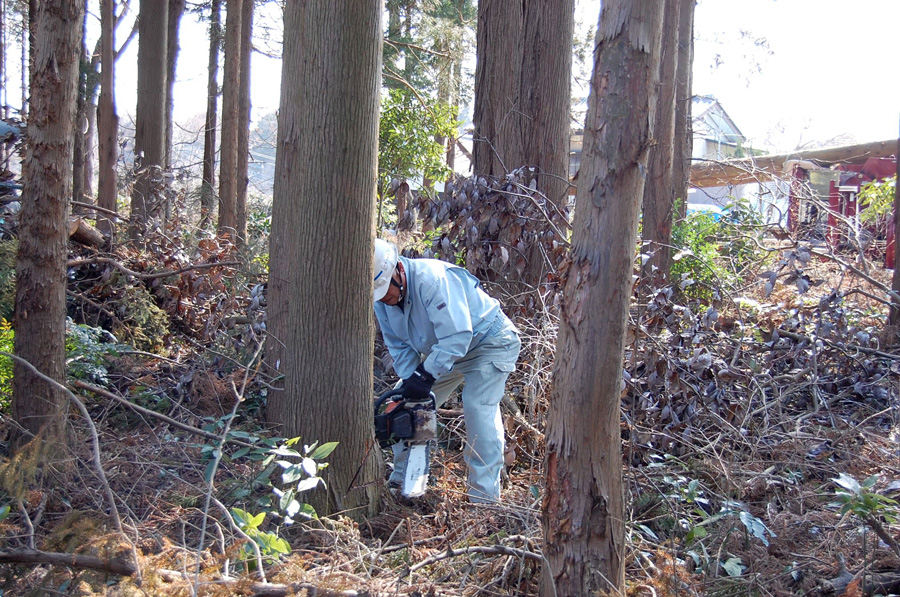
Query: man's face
[(394, 293)]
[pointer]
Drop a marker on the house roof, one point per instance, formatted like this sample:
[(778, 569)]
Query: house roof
[(711, 121)]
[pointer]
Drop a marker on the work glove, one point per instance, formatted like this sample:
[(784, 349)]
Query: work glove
[(417, 386)]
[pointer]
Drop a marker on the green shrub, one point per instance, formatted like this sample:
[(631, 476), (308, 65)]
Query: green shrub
[(713, 252), (6, 365), (8, 250)]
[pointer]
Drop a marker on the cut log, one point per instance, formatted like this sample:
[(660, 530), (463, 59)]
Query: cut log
[(82, 232), (72, 560)]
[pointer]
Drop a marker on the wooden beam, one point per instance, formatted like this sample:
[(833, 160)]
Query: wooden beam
[(711, 173)]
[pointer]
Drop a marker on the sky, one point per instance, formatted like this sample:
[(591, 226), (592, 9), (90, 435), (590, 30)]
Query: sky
[(790, 73), (823, 73)]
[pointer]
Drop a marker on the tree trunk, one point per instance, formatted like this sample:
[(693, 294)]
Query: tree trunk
[(684, 96), (79, 124), (208, 191), (43, 230), (91, 77), (176, 9), (108, 121), (230, 121), (243, 125), (150, 125), (322, 243), (498, 71), (659, 192), (669, 167), (583, 509), (522, 96), (546, 94), (4, 82), (894, 313)]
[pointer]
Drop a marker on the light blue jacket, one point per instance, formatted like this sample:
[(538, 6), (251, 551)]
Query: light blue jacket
[(445, 314)]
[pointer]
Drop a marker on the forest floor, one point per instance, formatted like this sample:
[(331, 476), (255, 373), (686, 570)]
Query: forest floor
[(743, 426)]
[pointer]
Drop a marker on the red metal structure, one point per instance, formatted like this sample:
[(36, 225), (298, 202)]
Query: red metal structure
[(842, 221)]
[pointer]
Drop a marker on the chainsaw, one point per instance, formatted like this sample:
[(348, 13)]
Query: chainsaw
[(413, 422)]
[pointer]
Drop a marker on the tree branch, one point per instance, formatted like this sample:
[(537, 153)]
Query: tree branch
[(150, 413), (139, 275)]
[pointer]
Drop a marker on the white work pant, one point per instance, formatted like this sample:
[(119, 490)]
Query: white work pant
[(484, 371)]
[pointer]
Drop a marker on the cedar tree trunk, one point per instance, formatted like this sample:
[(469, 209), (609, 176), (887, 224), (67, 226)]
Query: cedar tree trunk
[(583, 509), (321, 246)]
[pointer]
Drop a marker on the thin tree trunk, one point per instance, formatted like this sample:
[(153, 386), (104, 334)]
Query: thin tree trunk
[(243, 127), (230, 121), (323, 225), (37, 407), (208, 191), (583, 509), (894, 314), (108, 121), (91, 89), (79, 125), (26, 41), (4, 80), (684, 96)]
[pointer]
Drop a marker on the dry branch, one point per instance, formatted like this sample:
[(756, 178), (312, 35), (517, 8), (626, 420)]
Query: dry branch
[(153, 276), (262, 589), (500, 550), (150, 413)]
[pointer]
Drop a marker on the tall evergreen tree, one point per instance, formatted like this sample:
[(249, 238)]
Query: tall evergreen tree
[(583, 510), (208, 190), (669, 158), (321, 246), (150, 125), (40, 309)]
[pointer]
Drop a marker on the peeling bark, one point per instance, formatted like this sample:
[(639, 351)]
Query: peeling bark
[(583, 510)]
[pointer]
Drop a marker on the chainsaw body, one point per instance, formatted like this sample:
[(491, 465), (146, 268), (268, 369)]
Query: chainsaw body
[(413, 422)]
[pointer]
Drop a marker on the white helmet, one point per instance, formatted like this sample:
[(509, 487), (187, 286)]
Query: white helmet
[(385, 263)]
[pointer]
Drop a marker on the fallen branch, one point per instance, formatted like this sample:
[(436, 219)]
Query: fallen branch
[(875, 583), (34, 556), (262, 589), (121, 267), (95, 438), (840, 346), (498, 550), (150, 413)]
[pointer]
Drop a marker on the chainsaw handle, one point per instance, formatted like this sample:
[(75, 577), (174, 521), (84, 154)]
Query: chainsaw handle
[(385, 396)]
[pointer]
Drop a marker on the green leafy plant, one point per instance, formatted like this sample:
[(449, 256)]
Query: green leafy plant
[(87, 349), (299, 476), (859, 499), (872, 508), (8, 250), (407, 149), (877, 199), (714, 251), (271, 546), (299, 472), (6, 365), (695, 521)]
